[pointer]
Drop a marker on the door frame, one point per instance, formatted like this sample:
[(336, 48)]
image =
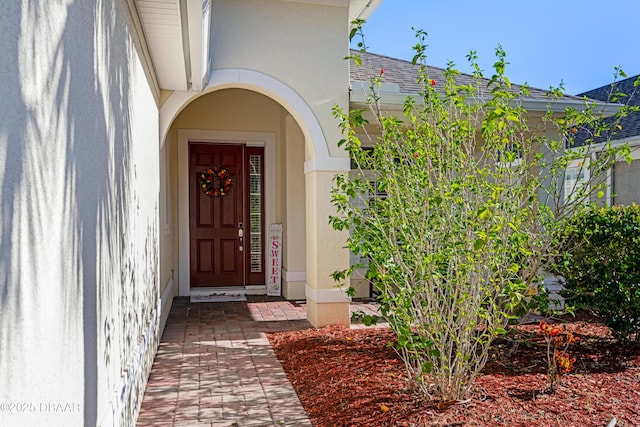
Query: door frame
[(267, 140)]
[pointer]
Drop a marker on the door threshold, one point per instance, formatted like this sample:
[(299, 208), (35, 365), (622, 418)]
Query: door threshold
[(230, 290)]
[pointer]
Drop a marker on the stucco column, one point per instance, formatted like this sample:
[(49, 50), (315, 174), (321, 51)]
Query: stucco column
[(326, 254)]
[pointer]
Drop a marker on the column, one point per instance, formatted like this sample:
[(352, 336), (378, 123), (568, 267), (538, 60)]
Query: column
[(326, 253)]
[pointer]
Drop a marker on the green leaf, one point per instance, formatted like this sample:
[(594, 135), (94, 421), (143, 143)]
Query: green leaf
[(370, 320), (353, 33), (427, 367), (478, 244), (484, 213)]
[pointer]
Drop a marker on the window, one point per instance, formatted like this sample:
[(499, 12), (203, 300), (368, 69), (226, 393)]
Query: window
[(576, 180), (255, 212), (362, 202)]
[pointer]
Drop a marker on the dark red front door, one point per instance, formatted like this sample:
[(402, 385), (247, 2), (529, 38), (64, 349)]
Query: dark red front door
[(216, 248)]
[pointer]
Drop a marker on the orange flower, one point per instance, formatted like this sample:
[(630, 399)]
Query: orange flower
[(564, 361), (384, 408), (433, 82), (546, 329), (571, 338)]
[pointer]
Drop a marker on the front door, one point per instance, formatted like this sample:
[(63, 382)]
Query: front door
[(223, 225)]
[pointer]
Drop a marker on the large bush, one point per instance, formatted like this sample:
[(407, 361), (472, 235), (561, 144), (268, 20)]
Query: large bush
[(453, 204), (600, 261)]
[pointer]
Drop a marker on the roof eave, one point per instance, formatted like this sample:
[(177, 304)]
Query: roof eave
[(394, 101), (362, 9), (176, 34)]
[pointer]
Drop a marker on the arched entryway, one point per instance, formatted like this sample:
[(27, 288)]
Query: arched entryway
[(273, 121)]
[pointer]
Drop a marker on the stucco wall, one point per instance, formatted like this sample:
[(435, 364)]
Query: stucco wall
[(626, 183), (294, 218), (298, 44), (79, 185)]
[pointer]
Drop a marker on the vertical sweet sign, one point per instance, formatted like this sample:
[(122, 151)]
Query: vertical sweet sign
[(274, 261)]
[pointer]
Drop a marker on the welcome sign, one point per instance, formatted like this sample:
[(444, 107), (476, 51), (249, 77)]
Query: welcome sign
[(274, 261)]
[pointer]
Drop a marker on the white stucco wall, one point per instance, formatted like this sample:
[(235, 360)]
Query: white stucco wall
[(78, 228)]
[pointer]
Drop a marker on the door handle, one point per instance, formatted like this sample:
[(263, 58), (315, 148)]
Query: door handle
[(240, 236)]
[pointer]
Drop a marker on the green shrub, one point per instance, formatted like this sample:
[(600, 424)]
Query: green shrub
[(454, 204), (440, 202), (600, 260)]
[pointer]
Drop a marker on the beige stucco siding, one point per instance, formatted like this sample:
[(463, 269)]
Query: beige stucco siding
[(294, 221), (298, 44), (626, 183)]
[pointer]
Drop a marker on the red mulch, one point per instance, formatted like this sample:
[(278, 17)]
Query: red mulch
[(353, 378)]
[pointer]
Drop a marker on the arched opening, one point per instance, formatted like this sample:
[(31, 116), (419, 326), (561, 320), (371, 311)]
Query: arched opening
[(248, 109), (259, 127)]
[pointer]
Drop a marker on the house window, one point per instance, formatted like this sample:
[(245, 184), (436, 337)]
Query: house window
[(363, 202), (576, 180)]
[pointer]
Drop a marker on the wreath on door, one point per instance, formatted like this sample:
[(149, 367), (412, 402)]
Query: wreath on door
[(216, 181)]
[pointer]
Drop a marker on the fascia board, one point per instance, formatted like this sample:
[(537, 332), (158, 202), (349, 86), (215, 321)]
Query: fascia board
[(360, 96), (198, 34), (362, 9)]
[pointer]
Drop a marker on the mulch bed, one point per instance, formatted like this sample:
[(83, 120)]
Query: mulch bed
[(354, 378)]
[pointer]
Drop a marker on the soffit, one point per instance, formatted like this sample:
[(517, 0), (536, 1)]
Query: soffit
[(162, 24)]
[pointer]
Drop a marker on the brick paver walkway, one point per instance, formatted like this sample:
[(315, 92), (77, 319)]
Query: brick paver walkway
[(215, 366)]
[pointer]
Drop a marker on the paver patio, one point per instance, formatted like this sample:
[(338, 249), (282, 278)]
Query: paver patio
[(215, 366)]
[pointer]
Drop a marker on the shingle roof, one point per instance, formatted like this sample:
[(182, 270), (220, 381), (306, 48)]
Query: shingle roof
[(631, 123), (405, 75)]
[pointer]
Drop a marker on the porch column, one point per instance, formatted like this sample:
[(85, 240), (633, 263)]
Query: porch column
[(326, 254)]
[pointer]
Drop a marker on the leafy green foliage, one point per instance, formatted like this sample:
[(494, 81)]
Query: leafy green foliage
[(453, 204), (600, 261)]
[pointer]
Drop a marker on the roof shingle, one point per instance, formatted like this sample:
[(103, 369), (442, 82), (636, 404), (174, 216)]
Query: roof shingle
[(405, 75), (631, 123)]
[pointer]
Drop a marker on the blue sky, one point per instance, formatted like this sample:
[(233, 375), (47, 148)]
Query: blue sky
[(577, 41)]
